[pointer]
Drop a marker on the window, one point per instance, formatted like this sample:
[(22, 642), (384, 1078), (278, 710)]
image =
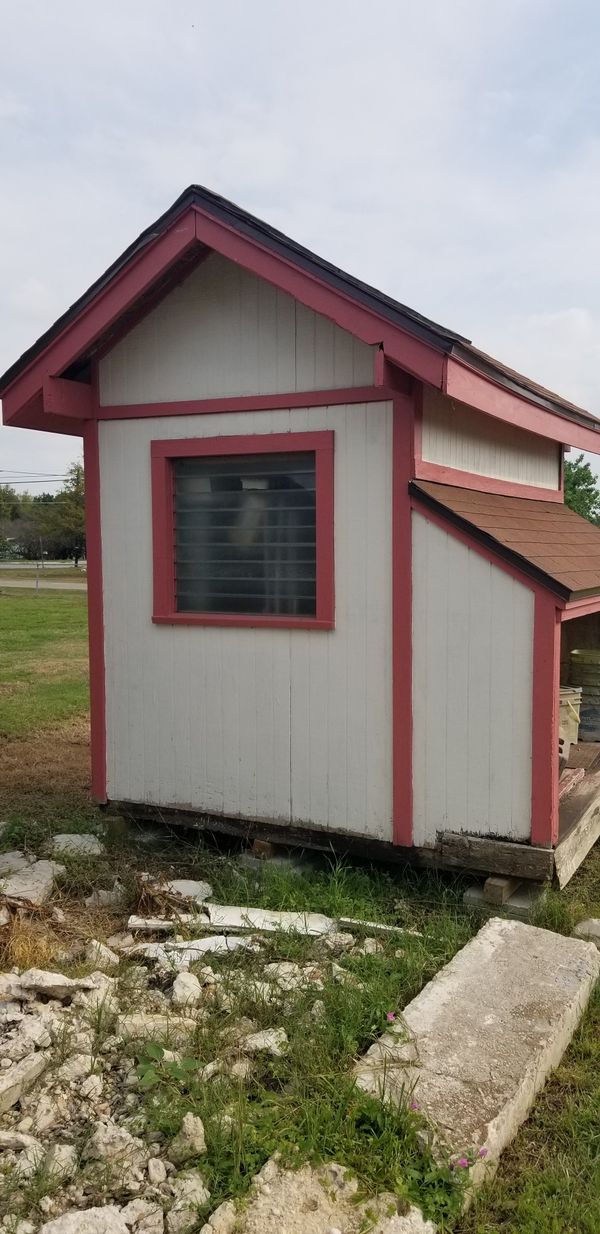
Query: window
[(243, 530)]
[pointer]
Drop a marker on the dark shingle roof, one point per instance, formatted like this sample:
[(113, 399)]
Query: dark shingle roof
[(545, 538)]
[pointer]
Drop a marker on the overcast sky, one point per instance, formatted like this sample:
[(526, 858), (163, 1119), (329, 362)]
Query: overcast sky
[(448, 153)]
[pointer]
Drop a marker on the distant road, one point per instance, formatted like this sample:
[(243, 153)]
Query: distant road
[(31, 565), (50, 584)]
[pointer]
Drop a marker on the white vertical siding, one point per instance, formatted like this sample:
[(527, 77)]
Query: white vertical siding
[(284, 725), (225, 333), (472, 691), (454, 435)]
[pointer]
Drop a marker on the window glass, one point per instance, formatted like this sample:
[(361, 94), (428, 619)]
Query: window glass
[(245, 534)]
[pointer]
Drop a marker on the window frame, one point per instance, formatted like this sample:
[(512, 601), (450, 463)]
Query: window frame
[(162, 455)]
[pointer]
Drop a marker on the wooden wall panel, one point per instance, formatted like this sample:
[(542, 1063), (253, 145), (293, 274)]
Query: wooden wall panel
[(224, 332), (454, 435), (268, 723), (472, 691)]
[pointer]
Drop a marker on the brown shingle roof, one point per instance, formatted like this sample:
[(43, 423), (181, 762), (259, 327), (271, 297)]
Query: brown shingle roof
[(544, 538)]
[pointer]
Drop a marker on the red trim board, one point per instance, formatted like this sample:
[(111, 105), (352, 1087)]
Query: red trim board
[(247, 402), (402, 453), (483, 484), (93, 539), (162, 452)]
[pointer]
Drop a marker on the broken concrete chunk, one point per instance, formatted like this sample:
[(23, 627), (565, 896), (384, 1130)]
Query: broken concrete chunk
[(16, 1141), (143, 1217), (53, 985), (143, 1025), (187, 990), (378, 927), (49, 1112), (190, 1140), (16, 1079), (112, 897), (181, 955), (157, 1171), (32, 885), (77, 1067), (236, 917), (190, 1193), (487, 1031), (589, 930), (107, 1220), (29, 1034), (115, 1145), (269, 1041), (188, 889), (100, 955), (60, 1161), (77, 845), (10, 863), (30, 1161), (223, 1220)]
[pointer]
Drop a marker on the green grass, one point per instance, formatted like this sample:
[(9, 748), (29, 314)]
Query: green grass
[(67, 573), (43, 660)]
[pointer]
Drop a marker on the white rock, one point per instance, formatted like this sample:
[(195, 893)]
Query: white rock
[(190, 1193), (75, 1068), (106, 1220), (269, 1041), (241, 1069), (10, 863), (16, 1079), (143, 1217), (49, 1111), (115, 1146), (113, 897), (143, 1024), (30, 1033), (589, 930), (30, 1161), (286, 974), (4, 915), (222, 1221), (121, 941), (369, 946), (54, 985), (16, 1141), (100, 956), (378, 927), (187, 990), (240, 917), (103, 994), (157, 1171), (10, 988), (92, 1088), (189, 1141), (77, 845), (32, 885), (60, 1161), (188, 889), (340, 940)]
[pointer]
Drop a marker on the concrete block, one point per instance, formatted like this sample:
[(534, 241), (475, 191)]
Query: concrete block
[(519, 905), (478, 1042)]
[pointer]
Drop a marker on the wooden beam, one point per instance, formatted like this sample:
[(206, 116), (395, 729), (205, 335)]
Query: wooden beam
[(498, 888), (496, 856), (580, 819), (62, 397)]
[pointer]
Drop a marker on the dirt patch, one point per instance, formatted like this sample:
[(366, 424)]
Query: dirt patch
[(52, 767)]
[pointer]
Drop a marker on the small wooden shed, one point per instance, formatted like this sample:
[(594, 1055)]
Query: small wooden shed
[(329, 562)]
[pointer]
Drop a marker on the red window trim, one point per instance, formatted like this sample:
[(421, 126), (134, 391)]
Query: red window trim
[(163, 532)]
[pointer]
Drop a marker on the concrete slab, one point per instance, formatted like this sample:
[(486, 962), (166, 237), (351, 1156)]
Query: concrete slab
[(32, 885), (478, 1042)]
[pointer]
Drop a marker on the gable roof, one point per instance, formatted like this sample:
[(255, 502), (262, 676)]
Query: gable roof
[(436, 338), (544, 538)]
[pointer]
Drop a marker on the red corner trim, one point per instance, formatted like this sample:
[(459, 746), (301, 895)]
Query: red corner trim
[(545, 719), (402, 753), (162, 453), (93, 536)]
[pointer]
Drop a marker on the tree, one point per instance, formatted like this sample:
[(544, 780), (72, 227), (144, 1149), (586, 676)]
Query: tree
[(582, 492)]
